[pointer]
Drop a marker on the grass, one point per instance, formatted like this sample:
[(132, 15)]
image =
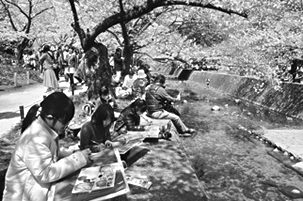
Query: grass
[(7, 76)]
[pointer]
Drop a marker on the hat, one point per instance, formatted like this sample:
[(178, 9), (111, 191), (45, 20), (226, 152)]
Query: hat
[(141, 74)]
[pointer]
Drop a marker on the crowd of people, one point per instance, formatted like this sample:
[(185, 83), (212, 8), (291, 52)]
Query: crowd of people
[(38, 161), (53, 62)]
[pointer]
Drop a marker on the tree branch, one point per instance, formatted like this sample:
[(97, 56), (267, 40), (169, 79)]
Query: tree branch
[(115, 35), (208, 6), (9, 16), (76, 24), (42, 11), (150, 5), (29, 19), (18, 7)]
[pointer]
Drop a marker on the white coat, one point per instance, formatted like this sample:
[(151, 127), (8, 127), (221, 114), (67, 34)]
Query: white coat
[(35, 164)]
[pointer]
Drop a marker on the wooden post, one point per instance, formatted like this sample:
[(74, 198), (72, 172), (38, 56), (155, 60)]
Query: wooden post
[(72, 90), (15, 80), (21, 108), (27, 77)]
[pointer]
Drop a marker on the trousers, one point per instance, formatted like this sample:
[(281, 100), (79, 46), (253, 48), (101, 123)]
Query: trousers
[(178, 123)]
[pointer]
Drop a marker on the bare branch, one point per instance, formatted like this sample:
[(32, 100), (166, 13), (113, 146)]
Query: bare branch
[(207, 5), (9, 16), (115, 35), (42, 11), (18, 7)]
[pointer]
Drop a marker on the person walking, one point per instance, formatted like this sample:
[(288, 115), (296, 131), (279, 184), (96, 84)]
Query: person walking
[(49, 77), (70, 70), (118, 63)]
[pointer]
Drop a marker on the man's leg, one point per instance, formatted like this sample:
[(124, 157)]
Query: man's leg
[(178, 123)]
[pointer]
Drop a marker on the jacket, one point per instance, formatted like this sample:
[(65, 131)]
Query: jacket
[(37, 163), (129, 119), (156, 96)]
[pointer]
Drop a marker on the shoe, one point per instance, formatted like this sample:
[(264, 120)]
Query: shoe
[(191, 131), (185, 135)]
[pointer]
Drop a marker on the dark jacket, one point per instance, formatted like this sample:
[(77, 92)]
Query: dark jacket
[(118, 62), (156, 98), (129, 119)]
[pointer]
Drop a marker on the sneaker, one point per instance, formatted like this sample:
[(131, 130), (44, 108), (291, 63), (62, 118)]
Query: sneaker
[(185, 135), (191, 131)]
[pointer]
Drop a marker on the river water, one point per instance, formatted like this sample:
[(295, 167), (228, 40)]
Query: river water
[(229, 161)]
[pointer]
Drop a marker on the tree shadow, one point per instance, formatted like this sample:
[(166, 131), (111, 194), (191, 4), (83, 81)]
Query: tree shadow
[(8, 115)]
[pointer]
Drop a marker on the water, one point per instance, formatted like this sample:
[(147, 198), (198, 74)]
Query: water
[(229, 161)]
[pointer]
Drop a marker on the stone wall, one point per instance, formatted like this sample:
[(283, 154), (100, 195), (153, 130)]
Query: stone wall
[(288, 100)]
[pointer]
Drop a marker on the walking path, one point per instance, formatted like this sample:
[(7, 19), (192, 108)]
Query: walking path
[(26, 96)]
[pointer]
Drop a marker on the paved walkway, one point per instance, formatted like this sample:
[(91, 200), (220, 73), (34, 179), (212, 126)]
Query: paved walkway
[(289, 140), (25, 96)]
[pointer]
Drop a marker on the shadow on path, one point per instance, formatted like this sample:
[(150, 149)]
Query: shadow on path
[(8, 115)]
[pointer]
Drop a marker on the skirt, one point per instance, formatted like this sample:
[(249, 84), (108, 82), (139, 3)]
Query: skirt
[(49, 79)]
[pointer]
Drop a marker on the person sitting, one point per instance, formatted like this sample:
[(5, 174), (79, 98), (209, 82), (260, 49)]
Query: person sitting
[(126, 89), (96, 132), (129, 118), (156, 96), (38, 161), (138, 88), (105, 96)]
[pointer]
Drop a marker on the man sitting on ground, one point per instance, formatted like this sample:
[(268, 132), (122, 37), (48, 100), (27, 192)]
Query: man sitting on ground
[(155, 100)]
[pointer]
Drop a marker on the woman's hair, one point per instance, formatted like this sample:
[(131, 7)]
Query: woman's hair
[(104, 91), (159, 79), (46, 48), (139, 105), (103, 112), (57, 104)]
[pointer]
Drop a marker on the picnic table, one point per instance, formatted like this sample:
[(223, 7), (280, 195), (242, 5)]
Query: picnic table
[(162, 162)]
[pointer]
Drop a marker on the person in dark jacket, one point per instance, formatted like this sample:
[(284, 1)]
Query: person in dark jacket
[(156, 97), (118, 62), (129, 118)]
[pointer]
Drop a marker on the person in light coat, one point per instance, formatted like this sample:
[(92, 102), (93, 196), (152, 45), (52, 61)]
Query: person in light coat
[(37, 162)]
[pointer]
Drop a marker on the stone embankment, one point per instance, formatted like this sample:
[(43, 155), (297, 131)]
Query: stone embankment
[(286, 99)]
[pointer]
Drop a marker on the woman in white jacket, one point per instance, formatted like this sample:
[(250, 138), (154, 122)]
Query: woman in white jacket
[(37, 161)]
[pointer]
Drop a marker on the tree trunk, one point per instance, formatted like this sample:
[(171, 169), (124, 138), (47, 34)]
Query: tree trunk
[(127, 51), (103, 74), (20, 49)]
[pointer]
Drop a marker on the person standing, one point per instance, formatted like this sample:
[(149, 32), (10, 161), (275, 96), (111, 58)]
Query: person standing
[(38, 161), (70, 70), (118, 63), (49, 77)]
